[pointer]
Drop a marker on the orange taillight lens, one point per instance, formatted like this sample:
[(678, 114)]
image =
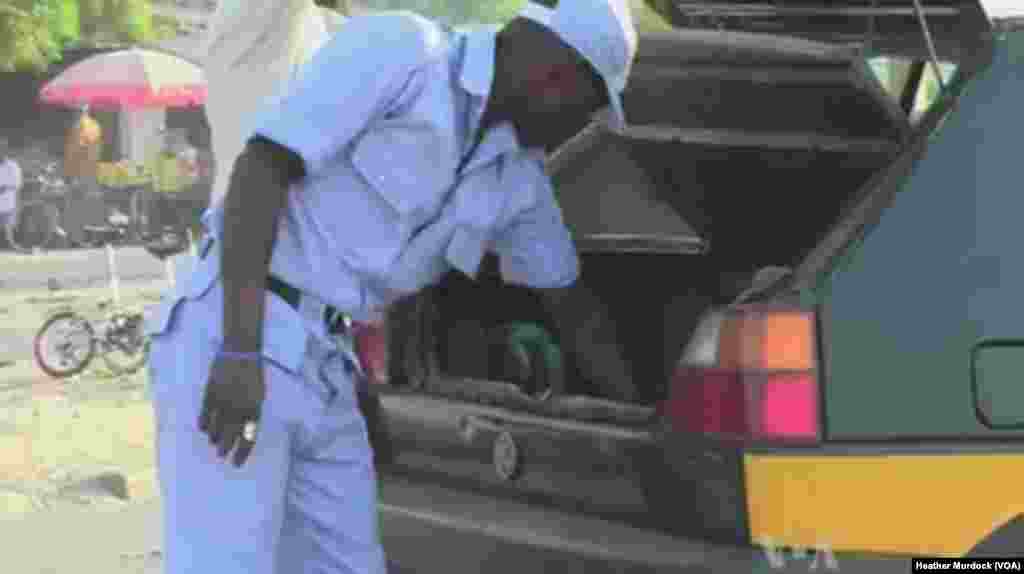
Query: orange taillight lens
[(752, 340)]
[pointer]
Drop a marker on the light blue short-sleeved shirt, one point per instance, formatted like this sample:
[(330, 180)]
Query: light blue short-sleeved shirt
[(383, 116)]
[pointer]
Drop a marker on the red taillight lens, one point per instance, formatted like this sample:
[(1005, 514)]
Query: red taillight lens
[(750, 374), (372, 349)]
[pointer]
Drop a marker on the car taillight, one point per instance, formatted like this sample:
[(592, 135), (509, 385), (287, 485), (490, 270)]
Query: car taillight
[(749, 373), (372, 348)]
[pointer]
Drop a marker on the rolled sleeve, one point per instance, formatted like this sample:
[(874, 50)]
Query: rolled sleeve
[(536, 249), (356, 77)]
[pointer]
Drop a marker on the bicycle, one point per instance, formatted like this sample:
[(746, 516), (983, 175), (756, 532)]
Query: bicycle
[(119, 338)]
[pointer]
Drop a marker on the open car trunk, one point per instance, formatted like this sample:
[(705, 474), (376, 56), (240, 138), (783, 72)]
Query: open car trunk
[(881, 27), (741, 153)]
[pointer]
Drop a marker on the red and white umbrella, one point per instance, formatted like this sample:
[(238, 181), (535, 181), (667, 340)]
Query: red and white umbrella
[(132, 78)]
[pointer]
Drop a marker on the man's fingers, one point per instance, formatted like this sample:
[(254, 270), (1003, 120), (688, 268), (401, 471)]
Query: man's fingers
[(206, 416), (231, 433), (216, 425), (204, 411), (243, 451)]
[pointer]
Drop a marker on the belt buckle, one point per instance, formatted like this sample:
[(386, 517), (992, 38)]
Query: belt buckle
[(336, 321)]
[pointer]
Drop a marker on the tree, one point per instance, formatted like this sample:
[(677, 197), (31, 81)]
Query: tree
[(34, 33), (121, 21), (462, 12)]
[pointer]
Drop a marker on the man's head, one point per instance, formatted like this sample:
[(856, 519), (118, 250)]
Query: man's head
[(556, 68)]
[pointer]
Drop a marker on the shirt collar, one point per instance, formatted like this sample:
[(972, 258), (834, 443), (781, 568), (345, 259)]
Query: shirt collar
[(477, 78), (477, 74)]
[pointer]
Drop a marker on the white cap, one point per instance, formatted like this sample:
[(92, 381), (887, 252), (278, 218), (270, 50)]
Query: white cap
[(602, 31)]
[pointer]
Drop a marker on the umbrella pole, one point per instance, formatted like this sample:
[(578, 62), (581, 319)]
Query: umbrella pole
[(115, 280)]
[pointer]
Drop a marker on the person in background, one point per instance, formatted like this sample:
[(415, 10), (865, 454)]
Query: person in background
[(10, 184), (82, 151), (83, 148)]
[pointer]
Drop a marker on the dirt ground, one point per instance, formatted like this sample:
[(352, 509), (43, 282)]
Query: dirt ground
[(56, 433)]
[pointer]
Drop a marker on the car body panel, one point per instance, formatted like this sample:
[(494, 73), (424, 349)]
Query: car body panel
[(455, 442), (538, 538), (914, 503), (938, 273)]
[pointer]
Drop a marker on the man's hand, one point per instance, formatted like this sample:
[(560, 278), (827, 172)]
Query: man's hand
[(233, 397), (234, 394), (586, 326)]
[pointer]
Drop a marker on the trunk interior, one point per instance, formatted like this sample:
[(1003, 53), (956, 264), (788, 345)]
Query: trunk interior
[(770, 205), (742, 152)]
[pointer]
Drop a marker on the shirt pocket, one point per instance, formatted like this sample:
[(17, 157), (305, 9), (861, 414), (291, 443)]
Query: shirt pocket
[(409, 165), (193, 287)]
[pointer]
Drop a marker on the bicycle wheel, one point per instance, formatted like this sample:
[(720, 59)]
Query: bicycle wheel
[(128, 346), (33, 226), (65, 345)]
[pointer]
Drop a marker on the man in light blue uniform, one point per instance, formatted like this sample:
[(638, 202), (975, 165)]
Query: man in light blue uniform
[(404, 150)]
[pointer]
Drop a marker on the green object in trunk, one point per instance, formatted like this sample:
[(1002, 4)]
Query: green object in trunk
[(533, 342)]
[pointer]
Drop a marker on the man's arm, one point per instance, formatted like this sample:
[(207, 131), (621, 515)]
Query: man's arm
[(586, 326), (254, 200), (536, 250), (350, 82)]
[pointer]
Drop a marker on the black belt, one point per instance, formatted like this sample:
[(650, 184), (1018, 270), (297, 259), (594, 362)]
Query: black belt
[(334, 319)]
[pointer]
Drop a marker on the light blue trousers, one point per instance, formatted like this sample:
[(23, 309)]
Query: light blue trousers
[(306, 500)]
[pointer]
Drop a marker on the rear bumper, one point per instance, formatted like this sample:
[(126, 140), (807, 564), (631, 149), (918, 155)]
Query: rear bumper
[(428, 528), (913, 499)]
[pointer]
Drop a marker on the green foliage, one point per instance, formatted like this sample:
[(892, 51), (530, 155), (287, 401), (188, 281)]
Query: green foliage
[(132, 20), (648, 16), (463, 12), (34, 33), (65, 23), (26, 42), (92, 14), (164, 27), (454, 12)]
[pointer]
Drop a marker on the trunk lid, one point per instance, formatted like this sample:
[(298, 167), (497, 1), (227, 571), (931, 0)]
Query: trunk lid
[(731, 135), (889, 27)]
